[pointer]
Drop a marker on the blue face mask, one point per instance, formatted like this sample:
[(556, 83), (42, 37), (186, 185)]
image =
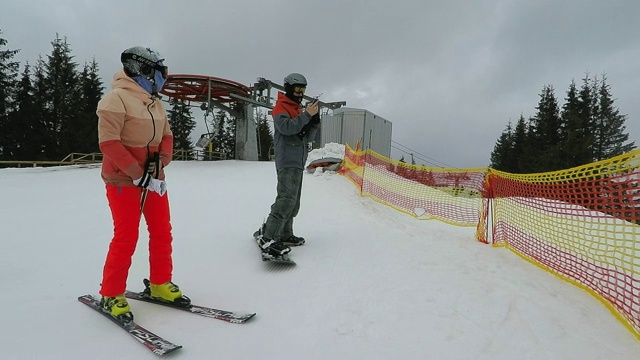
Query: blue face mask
[(144, 82), (159, 79), (147, 84)]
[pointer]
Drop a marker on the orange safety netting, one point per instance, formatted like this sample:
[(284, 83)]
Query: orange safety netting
[(581, 224), (450, 195)]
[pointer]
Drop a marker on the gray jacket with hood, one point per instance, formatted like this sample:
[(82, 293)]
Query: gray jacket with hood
[(292, 133)]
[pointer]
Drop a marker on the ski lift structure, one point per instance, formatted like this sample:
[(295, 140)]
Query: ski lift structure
[(237, 99)]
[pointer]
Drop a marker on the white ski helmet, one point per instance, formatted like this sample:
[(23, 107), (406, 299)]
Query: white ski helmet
[(139, 60)]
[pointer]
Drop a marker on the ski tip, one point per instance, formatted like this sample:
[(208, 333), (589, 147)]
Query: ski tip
[(165, 351), (85, 298), (241, 319)]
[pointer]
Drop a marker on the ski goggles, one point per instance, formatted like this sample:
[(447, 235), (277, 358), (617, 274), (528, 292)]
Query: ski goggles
[(147, 66), (164, 70), (299, 89), (150, 70)]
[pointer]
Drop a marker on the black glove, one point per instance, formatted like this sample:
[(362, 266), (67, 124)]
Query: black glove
[(304, 131), (152, 165), (149, 180), (315, 119)]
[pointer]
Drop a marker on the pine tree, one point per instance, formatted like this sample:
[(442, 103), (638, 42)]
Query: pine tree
[(528, 164), (40, 142), (230, 131), (576, 138), (587, 106), (182, 124), (265, 136), (84, 127), (229, 143), (219, 133), (546, 137), (63, 99), (29, 139), (589, 128), (8, 75), (609, 131), (223, 129), (518, 147), (502, 149)]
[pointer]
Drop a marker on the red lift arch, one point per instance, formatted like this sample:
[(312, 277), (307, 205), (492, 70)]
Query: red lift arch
[(226, 94), (212, 92), (203, 89)]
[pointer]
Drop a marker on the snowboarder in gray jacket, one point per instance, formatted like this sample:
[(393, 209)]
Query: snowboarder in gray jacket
[(294, 128)]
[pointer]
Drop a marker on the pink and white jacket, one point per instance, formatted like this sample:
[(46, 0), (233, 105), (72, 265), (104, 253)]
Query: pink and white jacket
[(132, 125)]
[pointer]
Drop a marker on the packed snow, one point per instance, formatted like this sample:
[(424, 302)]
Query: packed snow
[(370, 283)]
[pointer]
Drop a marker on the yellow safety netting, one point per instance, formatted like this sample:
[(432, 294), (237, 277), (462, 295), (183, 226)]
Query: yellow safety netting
[(581, 224)]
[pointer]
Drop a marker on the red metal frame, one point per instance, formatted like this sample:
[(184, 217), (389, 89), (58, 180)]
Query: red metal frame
[(195, 88)]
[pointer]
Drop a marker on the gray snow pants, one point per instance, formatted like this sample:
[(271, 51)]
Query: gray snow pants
[(279, 224)]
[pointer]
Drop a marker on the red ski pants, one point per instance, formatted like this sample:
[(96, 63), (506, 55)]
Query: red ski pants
[(124, 202)]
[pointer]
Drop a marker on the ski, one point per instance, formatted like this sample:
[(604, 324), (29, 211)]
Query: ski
[(153, 342), (229, 316)]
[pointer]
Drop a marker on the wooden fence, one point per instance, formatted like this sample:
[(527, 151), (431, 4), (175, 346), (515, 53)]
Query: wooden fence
[(93, 158)]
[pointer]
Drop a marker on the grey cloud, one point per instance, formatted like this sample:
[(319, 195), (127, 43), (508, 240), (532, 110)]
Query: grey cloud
[(449, 75)]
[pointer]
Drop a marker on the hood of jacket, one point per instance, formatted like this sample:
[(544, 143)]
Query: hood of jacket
[(122, 81), (292, 107)]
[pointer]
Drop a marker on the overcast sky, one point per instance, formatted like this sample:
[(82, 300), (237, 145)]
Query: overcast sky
[(448, 74)]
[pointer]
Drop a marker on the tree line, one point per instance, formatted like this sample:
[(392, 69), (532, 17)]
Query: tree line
[(48, 110), (587, 128)]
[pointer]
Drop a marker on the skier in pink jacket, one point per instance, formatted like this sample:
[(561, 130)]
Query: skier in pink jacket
[(137, 143)]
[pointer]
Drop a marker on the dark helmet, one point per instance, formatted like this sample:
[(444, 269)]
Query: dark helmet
[(139, 60), (295, 79)]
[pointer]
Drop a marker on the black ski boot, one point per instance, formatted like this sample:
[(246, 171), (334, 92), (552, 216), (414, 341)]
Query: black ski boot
[(293, 241)]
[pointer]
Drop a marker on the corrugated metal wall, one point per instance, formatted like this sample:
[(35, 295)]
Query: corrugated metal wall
[(377, 134), (349, 125)]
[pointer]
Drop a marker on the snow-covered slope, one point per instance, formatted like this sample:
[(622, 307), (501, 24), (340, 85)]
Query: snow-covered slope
[(371, 283)]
